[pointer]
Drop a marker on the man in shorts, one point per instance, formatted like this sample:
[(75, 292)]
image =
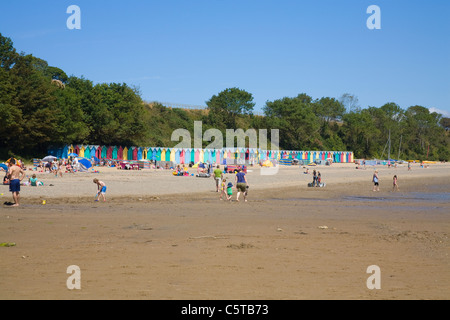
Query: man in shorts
[(241, 184), (218, 176), (101, 189), (15, 176)]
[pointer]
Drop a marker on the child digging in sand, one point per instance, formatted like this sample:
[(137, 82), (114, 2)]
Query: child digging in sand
[(101, 189)]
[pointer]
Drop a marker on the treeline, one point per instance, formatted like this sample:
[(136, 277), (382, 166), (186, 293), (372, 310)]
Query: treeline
[(41, 106)]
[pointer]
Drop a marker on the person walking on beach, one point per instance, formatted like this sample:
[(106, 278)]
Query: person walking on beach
[(314, 177), (218, 176), (15, 176), (101, 189), (223, 190), (241, 184), (229, 191), (375, 179), (395, 182)]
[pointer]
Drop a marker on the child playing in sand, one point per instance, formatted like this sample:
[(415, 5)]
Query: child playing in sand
[(34, 181), (101, 189), (395, 182)]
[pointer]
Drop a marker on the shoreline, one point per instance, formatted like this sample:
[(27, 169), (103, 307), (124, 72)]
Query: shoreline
[(151, 185)]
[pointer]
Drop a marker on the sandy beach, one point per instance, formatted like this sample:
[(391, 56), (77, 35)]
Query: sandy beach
[(162, 237)]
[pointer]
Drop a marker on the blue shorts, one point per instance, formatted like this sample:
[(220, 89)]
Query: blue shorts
[(14, 185), (103, 190)]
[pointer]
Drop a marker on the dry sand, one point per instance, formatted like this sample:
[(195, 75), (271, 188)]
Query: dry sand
[(162, 237)]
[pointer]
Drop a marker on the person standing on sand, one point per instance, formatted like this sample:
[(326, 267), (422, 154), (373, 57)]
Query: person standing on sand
[(395, 182), (15, 175), (101, 189), (229, 191), (223, 190), (218, 177), (375, 179), (241, 184)]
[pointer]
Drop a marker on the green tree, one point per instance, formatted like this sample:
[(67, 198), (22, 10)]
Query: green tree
[(328, 109), (297, 124), (8, 54), (225, 107), (424, 134), (359, 133)]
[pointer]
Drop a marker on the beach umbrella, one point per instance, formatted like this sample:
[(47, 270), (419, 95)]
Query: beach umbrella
[(4, 166), (49, 158), (72, 155)]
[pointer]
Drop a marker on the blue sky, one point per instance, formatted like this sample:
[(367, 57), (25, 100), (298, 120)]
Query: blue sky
[(187, 51)]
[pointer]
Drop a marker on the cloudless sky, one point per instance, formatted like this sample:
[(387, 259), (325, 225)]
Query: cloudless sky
[(187, 51)]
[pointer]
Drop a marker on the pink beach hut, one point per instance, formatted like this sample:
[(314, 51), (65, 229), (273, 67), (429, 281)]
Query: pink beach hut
[(182, 153), (98, 152), (197, 155)]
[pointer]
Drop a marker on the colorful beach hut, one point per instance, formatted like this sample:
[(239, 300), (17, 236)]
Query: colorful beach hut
[(187, 156), (107, 152), (151, 155), (81, 153), (206, 156), (158, 154), (196, 155), (168, 154), (134, 154), (177, 156), (182, 154), (98, 152)]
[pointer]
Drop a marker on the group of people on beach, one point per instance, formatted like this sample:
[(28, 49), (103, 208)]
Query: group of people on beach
[(376, 182), (16, 174), (226, 189)]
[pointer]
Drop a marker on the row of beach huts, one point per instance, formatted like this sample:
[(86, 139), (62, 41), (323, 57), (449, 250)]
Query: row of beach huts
[(191, 155)]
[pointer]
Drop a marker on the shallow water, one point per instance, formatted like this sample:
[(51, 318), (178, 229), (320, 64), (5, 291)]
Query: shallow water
[(407, 196), (412, 201)]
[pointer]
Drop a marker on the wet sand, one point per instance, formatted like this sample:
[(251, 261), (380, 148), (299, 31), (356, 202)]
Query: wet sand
[(162, 237)]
